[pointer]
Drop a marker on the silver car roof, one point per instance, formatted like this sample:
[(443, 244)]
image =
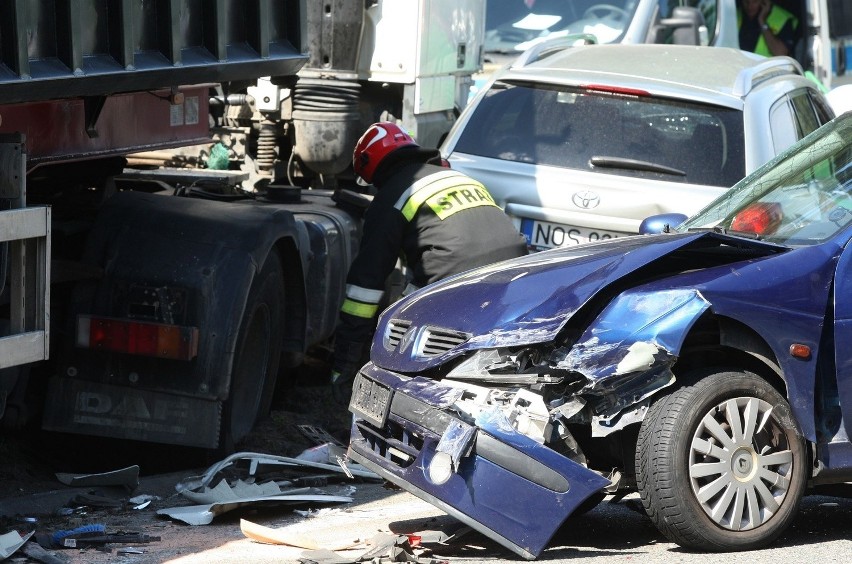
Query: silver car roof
[(715, 75)]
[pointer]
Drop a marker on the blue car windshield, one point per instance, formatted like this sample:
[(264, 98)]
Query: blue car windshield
[(802, 197)]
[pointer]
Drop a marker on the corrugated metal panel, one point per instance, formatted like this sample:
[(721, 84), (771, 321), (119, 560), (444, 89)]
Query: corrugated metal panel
[(51, 49)]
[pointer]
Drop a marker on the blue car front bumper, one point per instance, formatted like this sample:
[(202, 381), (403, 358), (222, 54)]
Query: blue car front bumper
[(504, 484)]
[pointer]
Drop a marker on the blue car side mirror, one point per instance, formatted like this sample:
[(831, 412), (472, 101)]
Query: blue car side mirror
[(661, 223)]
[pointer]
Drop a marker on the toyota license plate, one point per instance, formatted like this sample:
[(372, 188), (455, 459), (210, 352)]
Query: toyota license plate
[(542, 235), (370, 400)]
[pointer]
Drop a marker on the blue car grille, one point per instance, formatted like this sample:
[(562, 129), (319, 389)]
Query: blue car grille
[(438, 341), (394, 333), (432, 341)]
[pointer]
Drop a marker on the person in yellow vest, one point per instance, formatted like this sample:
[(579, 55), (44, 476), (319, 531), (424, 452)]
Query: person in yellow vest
[(766, 29)]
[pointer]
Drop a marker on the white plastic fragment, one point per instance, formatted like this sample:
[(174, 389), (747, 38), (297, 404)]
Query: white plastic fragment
[(10, 543)]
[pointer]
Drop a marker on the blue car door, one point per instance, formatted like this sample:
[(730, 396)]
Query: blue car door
[(838, 453)]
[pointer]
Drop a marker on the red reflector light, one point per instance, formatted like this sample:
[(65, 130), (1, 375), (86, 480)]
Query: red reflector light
[(616, 90), (445, 163), (762, 218), (136, 337)]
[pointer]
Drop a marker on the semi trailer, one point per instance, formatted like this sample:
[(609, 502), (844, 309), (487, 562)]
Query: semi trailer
[(166, 303)]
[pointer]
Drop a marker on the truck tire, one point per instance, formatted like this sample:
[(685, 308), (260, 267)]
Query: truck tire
[(721, 464), (257, 355)]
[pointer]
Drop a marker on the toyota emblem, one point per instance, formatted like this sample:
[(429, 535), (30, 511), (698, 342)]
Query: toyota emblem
[(586, 199)]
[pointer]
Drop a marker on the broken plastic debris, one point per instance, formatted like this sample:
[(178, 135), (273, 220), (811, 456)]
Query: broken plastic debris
[(255, 460), (384, 548), (143, 498), (640, 356), (239, 490), (143, 501), (10, 542), (204, 514), (456, 441), (318, 435), (325, 556), (313, 513), (441, 537), (269, 535), (326, 453), (125, 477)]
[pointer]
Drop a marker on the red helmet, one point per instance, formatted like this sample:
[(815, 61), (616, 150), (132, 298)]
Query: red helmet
[(378, 141)]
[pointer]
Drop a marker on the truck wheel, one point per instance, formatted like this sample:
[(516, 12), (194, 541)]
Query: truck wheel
[(257, 356), (721, 464)]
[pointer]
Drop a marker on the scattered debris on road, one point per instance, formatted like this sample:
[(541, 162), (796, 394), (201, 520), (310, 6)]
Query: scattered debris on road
[(268, 535), (248, 479), (127, 478), (94, 515), (204, 514), (11, 542)]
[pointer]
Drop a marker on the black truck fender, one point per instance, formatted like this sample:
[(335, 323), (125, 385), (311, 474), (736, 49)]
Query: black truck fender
[(187, 262)]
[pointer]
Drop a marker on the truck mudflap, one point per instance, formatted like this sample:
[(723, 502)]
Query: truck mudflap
[(99, 409), (492, 478)]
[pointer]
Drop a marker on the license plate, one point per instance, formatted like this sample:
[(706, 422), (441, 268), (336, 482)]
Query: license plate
[(545, 235), (370, 400)]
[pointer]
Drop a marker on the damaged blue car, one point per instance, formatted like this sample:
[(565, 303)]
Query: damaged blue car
[(703, 367)]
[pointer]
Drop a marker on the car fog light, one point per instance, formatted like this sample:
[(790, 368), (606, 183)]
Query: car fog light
[(440, 468)]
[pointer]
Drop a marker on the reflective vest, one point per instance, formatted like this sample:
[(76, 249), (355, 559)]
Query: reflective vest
[(776, 20), (442, 221)]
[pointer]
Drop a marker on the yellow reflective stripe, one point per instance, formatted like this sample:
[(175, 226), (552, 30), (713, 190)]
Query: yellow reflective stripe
[(447, 195), (425, 192), (358, 309), (452, 200), (423, 182)]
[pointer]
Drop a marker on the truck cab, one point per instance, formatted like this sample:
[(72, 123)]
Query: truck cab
[(825, 27)]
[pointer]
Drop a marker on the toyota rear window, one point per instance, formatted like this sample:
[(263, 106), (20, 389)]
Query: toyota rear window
[(627, 135)]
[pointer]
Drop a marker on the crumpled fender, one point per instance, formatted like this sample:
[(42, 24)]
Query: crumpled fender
[(522, 301), (628, 351)]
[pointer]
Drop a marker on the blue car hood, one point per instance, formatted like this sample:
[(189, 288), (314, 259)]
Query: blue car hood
[(522, 301)]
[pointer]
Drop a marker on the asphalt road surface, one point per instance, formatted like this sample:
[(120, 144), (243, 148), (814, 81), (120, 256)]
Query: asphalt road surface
[(612, 532)]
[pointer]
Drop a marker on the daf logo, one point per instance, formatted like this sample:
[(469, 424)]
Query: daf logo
[(586, 199)]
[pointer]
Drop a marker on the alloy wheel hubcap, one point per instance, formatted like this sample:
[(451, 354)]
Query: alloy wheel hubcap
[(740, 463)]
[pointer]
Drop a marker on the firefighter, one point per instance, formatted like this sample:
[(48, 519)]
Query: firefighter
[(438, 221)]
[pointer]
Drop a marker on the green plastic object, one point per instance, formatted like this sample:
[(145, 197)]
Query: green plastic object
[(219, 157), (810, 75)]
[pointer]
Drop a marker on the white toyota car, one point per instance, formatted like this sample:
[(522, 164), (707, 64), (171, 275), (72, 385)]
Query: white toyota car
[(581, 143)]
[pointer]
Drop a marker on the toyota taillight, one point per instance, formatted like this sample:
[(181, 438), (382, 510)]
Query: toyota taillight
[(761, 218)]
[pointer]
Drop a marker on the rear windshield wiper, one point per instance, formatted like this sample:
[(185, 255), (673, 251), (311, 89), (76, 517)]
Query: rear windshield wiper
[(633, 164)]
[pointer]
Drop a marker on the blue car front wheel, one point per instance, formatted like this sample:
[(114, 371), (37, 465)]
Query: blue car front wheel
[(721, 464)]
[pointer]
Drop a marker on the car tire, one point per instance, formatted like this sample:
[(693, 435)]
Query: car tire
[(721, 464), (258, 355)]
